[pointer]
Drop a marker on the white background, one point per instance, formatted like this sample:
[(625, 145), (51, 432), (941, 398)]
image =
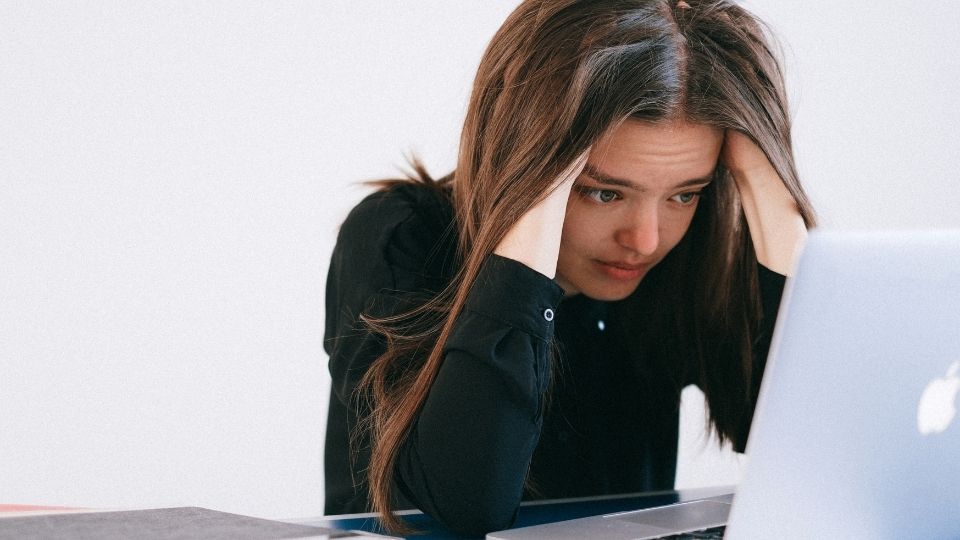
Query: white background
[(172, 176)]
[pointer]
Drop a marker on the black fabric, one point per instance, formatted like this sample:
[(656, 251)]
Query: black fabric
[(607, 425)]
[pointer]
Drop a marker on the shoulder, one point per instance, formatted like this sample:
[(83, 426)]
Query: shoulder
[(399, 205), (407, 227)]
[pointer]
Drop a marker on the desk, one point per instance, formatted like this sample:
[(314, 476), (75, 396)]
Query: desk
[(531, 512)]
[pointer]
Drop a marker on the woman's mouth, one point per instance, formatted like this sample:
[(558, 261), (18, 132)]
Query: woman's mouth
[(622, 271)]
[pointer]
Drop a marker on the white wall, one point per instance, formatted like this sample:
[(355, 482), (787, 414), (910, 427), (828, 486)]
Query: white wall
[(171, 179)]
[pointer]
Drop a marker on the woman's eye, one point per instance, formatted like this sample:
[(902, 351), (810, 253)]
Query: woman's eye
[(685, 198), (602, 196)]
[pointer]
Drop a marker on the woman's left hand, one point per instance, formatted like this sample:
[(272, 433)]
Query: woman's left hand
[(776, 227)]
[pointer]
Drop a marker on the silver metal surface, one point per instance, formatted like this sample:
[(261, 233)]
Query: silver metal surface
[(835, 450)]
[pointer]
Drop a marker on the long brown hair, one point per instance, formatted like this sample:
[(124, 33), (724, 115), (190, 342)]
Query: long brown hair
[(557, 75)]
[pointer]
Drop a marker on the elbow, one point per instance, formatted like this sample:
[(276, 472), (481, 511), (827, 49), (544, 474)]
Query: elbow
[(476, 520), (466, 505)]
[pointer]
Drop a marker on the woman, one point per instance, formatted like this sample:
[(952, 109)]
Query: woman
[(623, 210)]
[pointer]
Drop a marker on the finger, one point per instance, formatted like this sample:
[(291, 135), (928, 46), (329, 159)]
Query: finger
[(575, 168)]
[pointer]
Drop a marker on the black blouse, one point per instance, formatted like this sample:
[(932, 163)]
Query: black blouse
[(490, 432)]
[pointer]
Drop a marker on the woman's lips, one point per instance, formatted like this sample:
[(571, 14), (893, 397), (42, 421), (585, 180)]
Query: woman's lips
[(622, 271)]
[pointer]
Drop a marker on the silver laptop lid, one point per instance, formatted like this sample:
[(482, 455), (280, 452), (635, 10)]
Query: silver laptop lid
[(853, 435)]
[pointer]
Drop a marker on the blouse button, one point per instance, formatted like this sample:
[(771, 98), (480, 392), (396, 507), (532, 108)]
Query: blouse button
[(548, 314)]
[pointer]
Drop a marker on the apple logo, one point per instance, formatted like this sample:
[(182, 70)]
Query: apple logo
[(936, 409)]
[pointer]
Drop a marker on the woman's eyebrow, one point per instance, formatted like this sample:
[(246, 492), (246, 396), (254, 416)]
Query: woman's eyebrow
[(612, 181)]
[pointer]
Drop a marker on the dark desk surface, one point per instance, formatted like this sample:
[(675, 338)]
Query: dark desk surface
[(531, 513)]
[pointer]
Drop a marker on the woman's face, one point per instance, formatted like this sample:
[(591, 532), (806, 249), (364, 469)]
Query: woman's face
[(632, 204)]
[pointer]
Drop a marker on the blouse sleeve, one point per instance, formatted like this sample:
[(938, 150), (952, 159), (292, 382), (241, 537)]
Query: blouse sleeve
[(465, 460), (771, 291), (467, 457)]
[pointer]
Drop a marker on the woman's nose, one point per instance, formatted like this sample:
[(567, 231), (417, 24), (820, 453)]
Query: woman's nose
[(642, 234)]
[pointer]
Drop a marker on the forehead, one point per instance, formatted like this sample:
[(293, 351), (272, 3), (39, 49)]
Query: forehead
[(643, 151)]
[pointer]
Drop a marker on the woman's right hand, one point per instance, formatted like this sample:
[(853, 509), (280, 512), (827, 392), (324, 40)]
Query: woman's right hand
[(534, 239)]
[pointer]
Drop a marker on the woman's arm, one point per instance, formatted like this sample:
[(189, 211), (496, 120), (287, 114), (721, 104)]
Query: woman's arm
[(465, 461), (467, 455), (776, 227)]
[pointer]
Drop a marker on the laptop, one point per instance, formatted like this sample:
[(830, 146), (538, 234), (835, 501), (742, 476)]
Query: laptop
[(855, 433)]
